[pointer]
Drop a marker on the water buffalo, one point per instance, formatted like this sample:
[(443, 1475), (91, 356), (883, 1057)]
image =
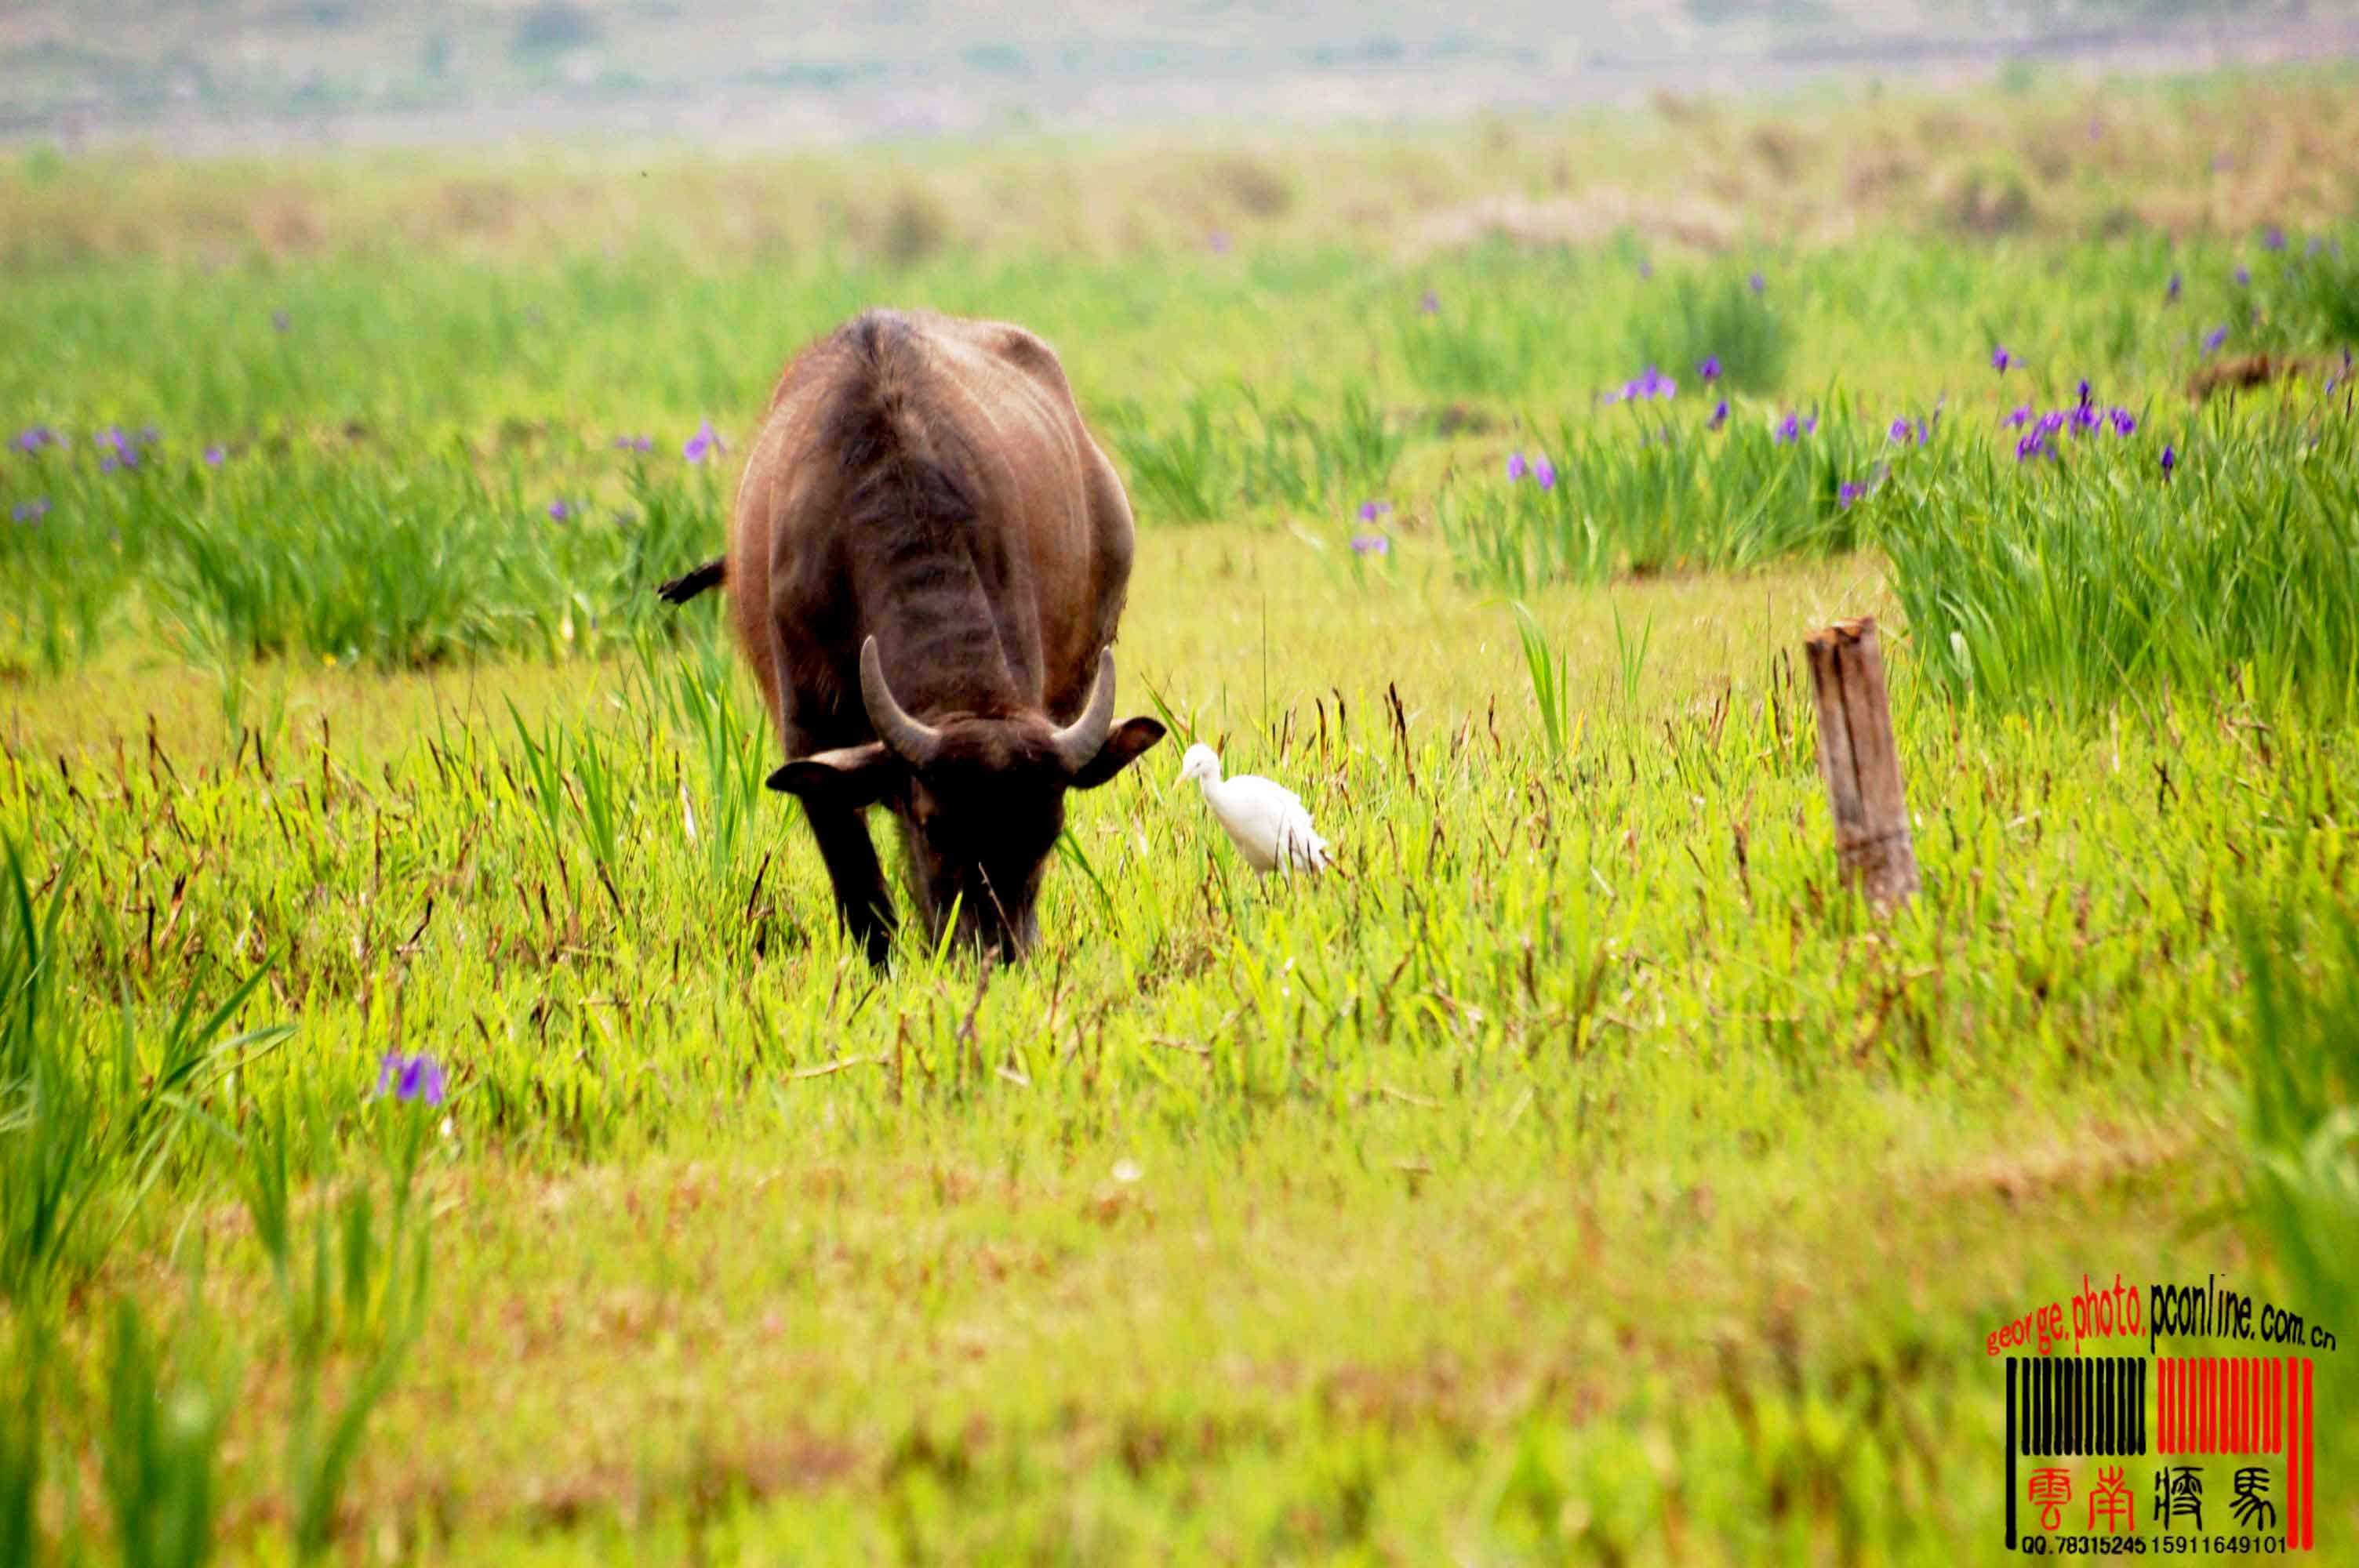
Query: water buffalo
[(926, 567)]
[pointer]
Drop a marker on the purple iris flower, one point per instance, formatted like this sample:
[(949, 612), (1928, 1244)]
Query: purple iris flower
[(2020, 417), (411, 1078), (1709, 368), (2170, 295), (634, 443), (2049, 422), (1792, 429), (1849, 491), (1901, 432), (2083, 390), (1431, 305), (1756, 282), (40, 435), (1370, 544), (2169, 458), (2213, 338), (1649, 385), (1719, 415), (2124, 422), (2274, 240), (703, 444), (122, 449), (215, 457), (560, 510), (1544, 472), (1372, 510), (2001, 359), (1515, 467), (2085, 420), (2244, 276), (2033, 445), (31, 511)]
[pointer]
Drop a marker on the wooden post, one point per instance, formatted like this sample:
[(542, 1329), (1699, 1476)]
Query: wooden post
[(1859, 762)]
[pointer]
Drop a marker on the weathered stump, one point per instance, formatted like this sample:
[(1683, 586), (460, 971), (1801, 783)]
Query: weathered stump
[(1860, 764)]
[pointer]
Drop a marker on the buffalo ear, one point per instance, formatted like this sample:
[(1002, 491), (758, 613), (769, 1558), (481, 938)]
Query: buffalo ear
[(848, 778), (1124, 745)]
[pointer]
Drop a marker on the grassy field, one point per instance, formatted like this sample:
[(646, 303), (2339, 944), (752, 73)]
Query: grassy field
[(1581, 1174)]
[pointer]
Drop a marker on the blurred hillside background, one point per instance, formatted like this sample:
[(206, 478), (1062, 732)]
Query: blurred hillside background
[(225, 75)]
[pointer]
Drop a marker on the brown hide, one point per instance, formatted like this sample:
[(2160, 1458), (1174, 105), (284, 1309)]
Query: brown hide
[(928, 482)]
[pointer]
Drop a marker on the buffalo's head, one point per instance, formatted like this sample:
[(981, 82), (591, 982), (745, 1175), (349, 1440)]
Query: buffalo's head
[(981, 801)]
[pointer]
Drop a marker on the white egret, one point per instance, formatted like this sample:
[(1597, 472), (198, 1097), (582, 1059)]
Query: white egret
[(1266, 821)]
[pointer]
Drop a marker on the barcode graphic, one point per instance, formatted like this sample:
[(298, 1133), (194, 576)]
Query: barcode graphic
[(2243, 1404), (2093, 1404), (2302, 1462), (2071, 1406), (2220, 1405)]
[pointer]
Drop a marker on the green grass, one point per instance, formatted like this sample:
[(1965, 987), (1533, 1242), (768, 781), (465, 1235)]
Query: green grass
[(389, 463), (2091, 576), (1660, 488), (1720, 318), (1579, 1174)]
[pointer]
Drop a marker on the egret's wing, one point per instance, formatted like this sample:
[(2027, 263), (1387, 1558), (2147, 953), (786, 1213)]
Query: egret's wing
[(1274, 817), (1271, 795), (1299, 841)]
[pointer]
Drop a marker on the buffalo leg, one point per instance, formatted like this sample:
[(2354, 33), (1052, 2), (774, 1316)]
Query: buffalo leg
[(841, 831), (861, 900)]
